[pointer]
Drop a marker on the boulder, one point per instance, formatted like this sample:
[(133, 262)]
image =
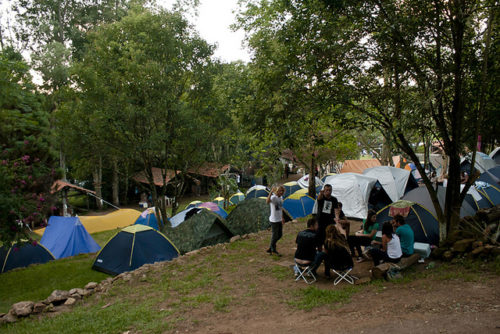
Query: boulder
[(76, 291), (477, 251), (70, 301), (57, 297), (87, 292), (235, 238), (462, 246), (76, 296), (49, 308), (91, 285), (23, 309), (38, 307), (363, 280)]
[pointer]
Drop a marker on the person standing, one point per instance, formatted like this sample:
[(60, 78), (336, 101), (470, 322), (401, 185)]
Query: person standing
[(326, 211), (275, 200), (405, 234)]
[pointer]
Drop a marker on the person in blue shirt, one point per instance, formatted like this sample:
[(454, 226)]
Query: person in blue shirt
[(405, 234)]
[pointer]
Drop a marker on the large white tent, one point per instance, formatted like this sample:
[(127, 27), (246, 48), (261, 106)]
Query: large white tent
[(392, 179), (353, 190), (482, 164), (304, 182)]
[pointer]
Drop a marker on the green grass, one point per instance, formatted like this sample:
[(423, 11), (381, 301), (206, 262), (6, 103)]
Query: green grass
[(279, 272), (312, 297), (38, 281), (103, 237)]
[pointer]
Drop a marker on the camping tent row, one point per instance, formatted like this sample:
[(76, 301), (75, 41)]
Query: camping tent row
[(20, 256)]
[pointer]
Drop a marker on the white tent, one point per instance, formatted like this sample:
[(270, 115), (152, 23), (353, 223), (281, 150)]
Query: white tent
[(182, 216), (353, 190), (495, 155), (483, 162), (304, 182), (392, 179)]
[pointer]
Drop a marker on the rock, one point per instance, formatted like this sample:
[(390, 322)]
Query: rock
[(448, 255), (23, 309), (477, 244), (462, 246), (91, 285), (49, 308), (438, 252), (235, 238), (70, 301), (192, 252), (87, 292), (57, 297), (127, 277), (477, 251), (38, 307), (362, 280), (9, 317), (76, 296)]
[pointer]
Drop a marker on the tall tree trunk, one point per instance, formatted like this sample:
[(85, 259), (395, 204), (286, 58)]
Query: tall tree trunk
[(385, 155), (125, 186), (116, 184), (64, 193), (97, 175), (312, 177)]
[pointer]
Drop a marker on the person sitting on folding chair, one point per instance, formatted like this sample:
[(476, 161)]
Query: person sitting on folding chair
[(391, 247), (338, 257), (307, 242)]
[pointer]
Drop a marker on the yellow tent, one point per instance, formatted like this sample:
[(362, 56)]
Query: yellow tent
[(117, 219)]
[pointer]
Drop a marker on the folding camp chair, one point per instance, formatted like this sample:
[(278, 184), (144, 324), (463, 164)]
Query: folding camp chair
[(302, 268), (340, 262)]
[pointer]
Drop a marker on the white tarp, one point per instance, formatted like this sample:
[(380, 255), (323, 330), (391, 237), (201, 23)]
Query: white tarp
[(181, 216), (483, 161), (392, 179), (304, 182), (495, 155), (353, 190)]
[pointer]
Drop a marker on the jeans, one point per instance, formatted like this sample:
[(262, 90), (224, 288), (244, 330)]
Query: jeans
[(379, 255), (277, 233), (356, 242)]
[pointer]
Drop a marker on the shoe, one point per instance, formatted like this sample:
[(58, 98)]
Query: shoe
[(276, 253), (360, 259), (269, 251)]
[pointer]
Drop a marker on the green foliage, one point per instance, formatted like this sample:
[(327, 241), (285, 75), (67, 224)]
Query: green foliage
[(226, 186), (26, 160)]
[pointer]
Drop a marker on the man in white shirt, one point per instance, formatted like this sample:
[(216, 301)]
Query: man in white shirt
[(275, 200)]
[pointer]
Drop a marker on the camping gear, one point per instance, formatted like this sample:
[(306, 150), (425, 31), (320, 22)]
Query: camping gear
[(214, 208), (495, 155), (236, 198), (304, 270), (303, 182), (219, 201), (483, 163), (193, 204), (205, 228), (490, 192), (495, 171), (327, 175), (257, 191), (180, 217), (19, 256), (489, 177), (251, 215), (395, 181), (133, 247), (305, 191), (422, 249), (148, 218), (298, 205), (290, 188), (358, 166), (423, 223), (66, 236), (358, 193)]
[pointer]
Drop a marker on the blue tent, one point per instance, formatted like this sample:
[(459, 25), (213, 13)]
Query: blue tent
[(66, 236), (22, 256), (423, 223), (133, 247), (490, 192), (257, 191), (298, 205), (495, 171), (489, 177), (148, 218), (236, 198), (290, 188)]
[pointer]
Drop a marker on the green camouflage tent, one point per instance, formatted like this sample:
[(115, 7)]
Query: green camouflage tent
[(202, 229), (249, 216)]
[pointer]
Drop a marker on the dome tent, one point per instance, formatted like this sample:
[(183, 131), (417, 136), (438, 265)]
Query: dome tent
[(133, 247), (236, 198), (205, 228), (303, 182), (395, 181), (180, 217), (66, 236), (148, 218), (298, 205), (290, 188), (251, 215), (423, 223), (257, 191), (193, 204), (20, 256)]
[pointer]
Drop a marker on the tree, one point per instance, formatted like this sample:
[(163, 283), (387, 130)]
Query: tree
[(148, 77), (26, 160)]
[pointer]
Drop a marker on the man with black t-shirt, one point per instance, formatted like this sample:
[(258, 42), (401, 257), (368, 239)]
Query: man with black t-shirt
[(306, 246), (326, 212)]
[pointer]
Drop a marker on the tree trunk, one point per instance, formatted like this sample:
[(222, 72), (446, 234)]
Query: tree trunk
[(125, 187), (452, 203), (97, 175), (312, 177), (385, 155), (116, 184)]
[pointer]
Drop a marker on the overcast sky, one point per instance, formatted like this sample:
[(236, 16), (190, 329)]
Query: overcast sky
[(213, 21)]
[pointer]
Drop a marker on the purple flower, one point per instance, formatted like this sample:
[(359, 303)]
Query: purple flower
[(26, 158), (23, 182), (16, 164), (41, 199), (26, 142)]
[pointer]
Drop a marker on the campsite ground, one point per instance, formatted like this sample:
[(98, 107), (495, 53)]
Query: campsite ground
[(238, 288)]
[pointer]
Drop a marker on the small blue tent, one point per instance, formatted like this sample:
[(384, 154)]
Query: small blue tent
[(490, 192), (257, 191), (290, 188), (423, 223), (66, 236), (148, 218), (133, 247), (22, 256), (298, 205), (236, 198)]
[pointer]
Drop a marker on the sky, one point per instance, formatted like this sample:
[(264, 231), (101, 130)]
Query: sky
[(213, 24)]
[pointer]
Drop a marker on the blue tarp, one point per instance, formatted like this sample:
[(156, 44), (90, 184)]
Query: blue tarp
[(66, 236)]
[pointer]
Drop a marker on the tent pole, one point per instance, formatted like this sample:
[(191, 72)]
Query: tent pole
[(104, 201)]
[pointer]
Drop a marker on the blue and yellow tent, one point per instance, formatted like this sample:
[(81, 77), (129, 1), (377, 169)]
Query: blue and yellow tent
[(257, 191), (236, 198), (298, 205), (424, 224), (193, 204), (133, 247), (148, 218), (290, 188), (19, 256), (491, 193)]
